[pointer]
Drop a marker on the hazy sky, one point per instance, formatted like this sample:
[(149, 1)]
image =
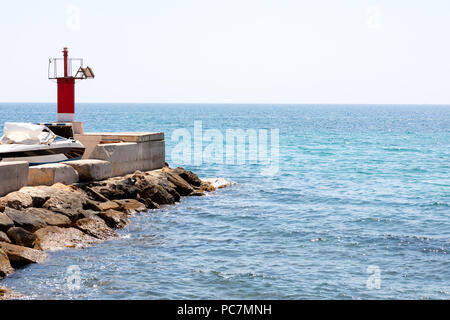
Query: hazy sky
[(287, 51)]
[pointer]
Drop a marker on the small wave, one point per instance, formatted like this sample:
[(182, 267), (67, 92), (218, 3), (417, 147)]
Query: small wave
[(400, 149), (238, 275), (440, 204), (219, 183)]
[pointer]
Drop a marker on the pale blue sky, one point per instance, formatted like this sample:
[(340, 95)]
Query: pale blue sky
[(285, 51)]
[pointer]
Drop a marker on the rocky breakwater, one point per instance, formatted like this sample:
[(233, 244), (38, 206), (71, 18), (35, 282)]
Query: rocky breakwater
[(35, 220)]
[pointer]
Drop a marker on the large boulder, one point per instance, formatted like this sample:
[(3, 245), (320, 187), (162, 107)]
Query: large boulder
[(169, 187), (150, 204), (115, 219), (160, 177), (181, 186), (4, 237), (94, 195), (49, 217), (5, 222), (91, 205), (22, 237), (20, 256), (66, 203), (117, 188), (109, 205), (96, 227), (55, 238), (39, 194), (100, 206), (18, 200), (189, 176), (157, 194), (130, 206), (5, 265), (2, 205), (25, 220)]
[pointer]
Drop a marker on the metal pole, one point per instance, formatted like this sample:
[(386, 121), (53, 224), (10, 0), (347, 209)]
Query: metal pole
[(65, 52)]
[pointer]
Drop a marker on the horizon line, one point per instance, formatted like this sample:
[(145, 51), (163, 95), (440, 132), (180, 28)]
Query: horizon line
[(240, 103)]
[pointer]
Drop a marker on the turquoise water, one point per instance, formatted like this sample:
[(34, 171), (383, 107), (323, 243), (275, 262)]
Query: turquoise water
[(357, 186)]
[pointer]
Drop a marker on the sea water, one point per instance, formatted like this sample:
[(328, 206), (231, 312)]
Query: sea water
[(359, 208)]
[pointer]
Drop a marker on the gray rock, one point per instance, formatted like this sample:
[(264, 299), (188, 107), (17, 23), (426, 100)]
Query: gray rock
[(117, 189), (22, 237), (5, 222), (129, 206), (109, 205), (96, 227), (20, 256), (18, 200), (68, 204), (188, 176), (91, 205), (95, 195), (150, 204), (169, 187), (27, 221), (157, 194), (182, 187), (55, 238), (4, 237), (39, 194), (49, 217), (115, 219)]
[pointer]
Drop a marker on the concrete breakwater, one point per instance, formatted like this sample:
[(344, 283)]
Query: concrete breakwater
[(37, 219), (107, 154)]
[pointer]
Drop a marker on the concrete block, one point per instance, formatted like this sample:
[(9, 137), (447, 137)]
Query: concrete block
[(51, 173), (91, 140), (13, 176), (123, 156), (92, 169), (151, 155), (124, 136)]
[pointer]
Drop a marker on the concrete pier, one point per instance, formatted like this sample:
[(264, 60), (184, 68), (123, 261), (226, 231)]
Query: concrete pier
[(107, 155), (127, 151)]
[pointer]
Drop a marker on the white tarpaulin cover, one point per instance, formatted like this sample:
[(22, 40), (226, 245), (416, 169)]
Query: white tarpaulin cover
[(26, 133)]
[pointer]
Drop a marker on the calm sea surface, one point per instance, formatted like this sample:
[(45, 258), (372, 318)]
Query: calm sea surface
[(360, 208)]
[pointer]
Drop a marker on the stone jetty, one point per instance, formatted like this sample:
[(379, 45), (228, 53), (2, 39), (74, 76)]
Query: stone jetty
[(38, 219)]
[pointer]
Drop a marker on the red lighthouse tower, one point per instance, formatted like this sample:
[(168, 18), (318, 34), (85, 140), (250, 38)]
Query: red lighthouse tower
[(61, 70)]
